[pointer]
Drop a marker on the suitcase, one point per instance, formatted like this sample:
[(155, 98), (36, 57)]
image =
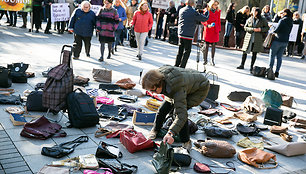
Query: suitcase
[(173, 38), (273, 116)]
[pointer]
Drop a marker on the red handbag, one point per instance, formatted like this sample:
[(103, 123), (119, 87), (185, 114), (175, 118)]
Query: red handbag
[(135, 141)]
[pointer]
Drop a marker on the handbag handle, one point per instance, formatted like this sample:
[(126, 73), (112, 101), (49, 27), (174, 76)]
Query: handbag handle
[(130, 166), (209, 73)]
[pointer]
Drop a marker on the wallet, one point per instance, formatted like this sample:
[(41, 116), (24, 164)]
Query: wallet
[(128, 98)]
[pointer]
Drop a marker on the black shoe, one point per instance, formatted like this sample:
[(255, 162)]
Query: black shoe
[(109, 56), (14, 25), (116, 48), (276, 74), (37, 31), (10, 25), (23, 26), (47, 32), (88, 55), (251, 69), (303, 57), (240, 67), (213, 63), (101, 59), (113, 51), (139, 57), (205, 62), (163, 39), (146, 44)]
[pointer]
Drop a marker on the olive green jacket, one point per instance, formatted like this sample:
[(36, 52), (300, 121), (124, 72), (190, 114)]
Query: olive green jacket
[(186, 88), (258, 36)]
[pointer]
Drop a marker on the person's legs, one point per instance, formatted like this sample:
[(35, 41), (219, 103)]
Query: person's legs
[(290, 48), (159, 29), (109, 44), (48, 27), (137, 37), (117, 38), (11, 18), (87, 45), (254, 56), (187, 51), (142, 39), (273, 53), (243, 59), (165, 31), (179, 53), (184, 133), (279, 56), (213, 50), (102, 48), (165, 108), (24, 19), (77, 45), (300, 47), (205, 52)]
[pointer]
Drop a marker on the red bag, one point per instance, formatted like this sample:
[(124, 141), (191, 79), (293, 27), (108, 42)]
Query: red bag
[(135, 141)]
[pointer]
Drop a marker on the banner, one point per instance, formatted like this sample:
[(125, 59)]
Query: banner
[(163, 4), (293, 33), (60, 12), (16, 5)]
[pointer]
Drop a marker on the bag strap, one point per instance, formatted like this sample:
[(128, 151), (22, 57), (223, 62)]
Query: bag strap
[(209, 73), (261, 166), (230, 166), (127, 165), (75, 142)]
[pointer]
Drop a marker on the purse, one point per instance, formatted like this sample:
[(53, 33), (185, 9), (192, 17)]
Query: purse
[(128, 98), (80, 81), (153, 104), (108, 151), (268, 40), (238, 96), (111, 112), (126, 83), (247, 143), (140, 118), (278, 129), (118, 167), (256, 157), (181, 157), (51, 169), (104, 100), (272, 98), (135, 141), (215, 148), (245, 116), (259, 71), (290, 149), (12, 99), (18, 72), (110, 88), (5, 80), (63, 149), (210, 112), (250, 130), (102, 75), (34, 102), (208, 104), (163, 159), (270, 74), (106, 171), (215, 131), (287, 100), (213, 92), (205, 168)]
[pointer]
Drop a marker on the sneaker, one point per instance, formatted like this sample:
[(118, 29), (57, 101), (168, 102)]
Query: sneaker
[(240, 67), (75, 58), (152, 134), (187, 145)]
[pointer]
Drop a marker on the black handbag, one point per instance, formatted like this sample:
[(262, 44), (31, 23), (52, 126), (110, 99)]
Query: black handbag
[(63, 149), (128, 98), (110, 88), (259, 71), (34, 101), (249, 130), (213, 92), (5, 80), (111, 112), (118, 167), (270, 74), (108, 151), (12, 99), (181, 157), (18, 72), (238, 96), (208, 104), (215, 131)]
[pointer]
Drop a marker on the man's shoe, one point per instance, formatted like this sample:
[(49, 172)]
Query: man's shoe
[(101, 59), (139, 57), (276, 74), (163, 39), (47, 32), (109, 56), (187, 145), (152, 134), (303, 57), (240, 67), (116, 48), (9, 25), (14, 25), (23, 26), (113, 51), (75, 58), (88, 55), (37, 31)]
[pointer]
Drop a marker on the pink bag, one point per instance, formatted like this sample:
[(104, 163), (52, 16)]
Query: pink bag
[(105, 100), (106, 171)]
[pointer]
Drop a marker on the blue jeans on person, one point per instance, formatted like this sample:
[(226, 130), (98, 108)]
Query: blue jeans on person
[(228, 29), (117, 37), (277, 49)]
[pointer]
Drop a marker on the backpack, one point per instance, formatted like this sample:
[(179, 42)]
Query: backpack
[(81, 110), (34, 101), (59, 83), (272, 98)]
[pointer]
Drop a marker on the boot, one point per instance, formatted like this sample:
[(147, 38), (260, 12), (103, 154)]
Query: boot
[(253, 61), (109, 56), (225, 41), (244, 56), (213, 61)]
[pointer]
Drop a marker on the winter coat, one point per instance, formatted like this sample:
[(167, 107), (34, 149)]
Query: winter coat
[(142, 22), (240, 19), (300, 23), (82, 23), (48, 8), (188, 18), (268, 16), (258, 36), (122, 16), (230, 16), (169, 12), (130, 13), (107, 23), (186, 88), (283, 29), (211, 35)]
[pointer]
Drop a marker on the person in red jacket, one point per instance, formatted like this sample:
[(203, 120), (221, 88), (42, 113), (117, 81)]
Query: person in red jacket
[(212, 28), (142, 22)]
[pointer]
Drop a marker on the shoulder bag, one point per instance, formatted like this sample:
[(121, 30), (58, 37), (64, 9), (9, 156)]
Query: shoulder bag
[(256, 157), (215, 148), (108, 151), (102, 75), (135, 141), (5, 80), (118, 167), (163, 159)]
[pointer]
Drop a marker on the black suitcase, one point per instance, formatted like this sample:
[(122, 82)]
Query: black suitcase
[(273, 116), (81, 110), (132, 38), (173, 38)]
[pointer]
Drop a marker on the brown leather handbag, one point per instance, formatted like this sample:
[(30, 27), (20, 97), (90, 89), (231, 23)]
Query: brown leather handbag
[(126, 83), (278, 129), (256, 157), (215, 148)]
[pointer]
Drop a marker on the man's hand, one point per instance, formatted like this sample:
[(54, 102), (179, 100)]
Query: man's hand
[(168, 139)]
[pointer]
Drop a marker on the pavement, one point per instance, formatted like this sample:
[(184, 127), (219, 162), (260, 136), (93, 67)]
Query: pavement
[(42, 51)]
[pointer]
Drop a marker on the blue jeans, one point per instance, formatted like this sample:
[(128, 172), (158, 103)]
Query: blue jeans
[(228, 29), (117, 37), (277, 49)]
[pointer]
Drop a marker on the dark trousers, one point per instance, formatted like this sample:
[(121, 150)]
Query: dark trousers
[(61, 26), (4, 12), (78, 45), (48, 27), (24, 18), (161, 117), (239, 38), (183, 52), (117, 37), (13, 18), (37, 16)]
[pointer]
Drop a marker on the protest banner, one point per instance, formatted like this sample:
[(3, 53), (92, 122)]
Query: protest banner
[(163, 4), (293, 33), (16, 5), (60, 12)]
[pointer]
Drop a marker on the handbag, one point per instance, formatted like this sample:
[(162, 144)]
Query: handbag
[(215, 148), (205, 168), (247, 143), (238, 96), (108, 151), (259, 71), (162, 160), (88, 161), (268, 40), (290, 149), (80, 81), (181, 157), (128, 98), (211, 112), (104, 100), (213, 92), (256, 157), (63, 149), (270, 74), (272, 98), (102, 75), (12, 99), (18, 72), (118, 167), (140, 118), (110, 88), (278, 129), (153, 104), (135, 141), (253, 105), (5, 80), (244, 116), (215, 131), (111, 112), (126, 83), (249, 130), (208, 104), (34, 101), (51, 169), (106, 171), (287, 100)]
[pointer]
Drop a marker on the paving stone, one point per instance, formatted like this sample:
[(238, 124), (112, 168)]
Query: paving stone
[(15, 164), (36, 162), (11, 160), (15, 134), (17, 169), (32, 146)]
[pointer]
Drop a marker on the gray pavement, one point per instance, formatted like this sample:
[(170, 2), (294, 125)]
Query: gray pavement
[(42, 51)]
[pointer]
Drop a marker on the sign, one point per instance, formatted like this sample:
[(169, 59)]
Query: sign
[(96, 8), (163, 4), (16, 5), (293, 33), (60, 12)]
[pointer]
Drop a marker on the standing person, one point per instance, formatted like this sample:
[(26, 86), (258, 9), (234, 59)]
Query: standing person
[(170, 12), (4, 12), (185, 89), (24, 19), (230, 19), (47, 4), (180, 7), (280, 42), (241, 18), (37, 9), (96, 2), (265, 12), (82, 24), (107, 23), (290, 48), (255, 27), (188, 19), (212, 28), (130, 11), (60, 25), (142, 22), (159, 29), (122, 17), (13, 18)]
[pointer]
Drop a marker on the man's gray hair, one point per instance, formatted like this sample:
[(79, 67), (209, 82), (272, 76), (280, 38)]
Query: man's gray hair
[(85, 3), (190, 2)]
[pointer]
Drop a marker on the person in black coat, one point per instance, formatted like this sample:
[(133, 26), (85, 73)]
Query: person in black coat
[(37, 8), (171, 16), (47, 4), (241, 18), (298, 42), (230, 19)]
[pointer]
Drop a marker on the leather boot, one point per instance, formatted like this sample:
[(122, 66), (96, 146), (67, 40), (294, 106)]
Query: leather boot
[(244, 56), (253, 61)]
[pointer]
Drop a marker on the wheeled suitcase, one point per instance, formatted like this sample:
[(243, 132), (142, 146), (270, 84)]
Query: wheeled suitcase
[(273, 116), (173, 38)]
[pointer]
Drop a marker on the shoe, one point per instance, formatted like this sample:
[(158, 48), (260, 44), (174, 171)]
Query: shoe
[(187, 145), (152, 134), (113, 51), (213, 63), (47, 32), (58, 32), (205, 62), (101, 59), (109, 56), (36, 31), (139, 57), (286, 137), (163, 39), (303, 57), (116, 48), (276, 74), (7, 22), (75, 58), (23, 26), (14, 25), (251, 69), (88, 55), (240, 67)]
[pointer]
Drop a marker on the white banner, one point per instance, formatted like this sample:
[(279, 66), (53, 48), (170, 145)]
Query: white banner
[(293, 33), (163, 4), (60, 12)]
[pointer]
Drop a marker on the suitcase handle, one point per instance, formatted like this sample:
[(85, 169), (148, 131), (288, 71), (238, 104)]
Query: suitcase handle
[(61, 56)]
